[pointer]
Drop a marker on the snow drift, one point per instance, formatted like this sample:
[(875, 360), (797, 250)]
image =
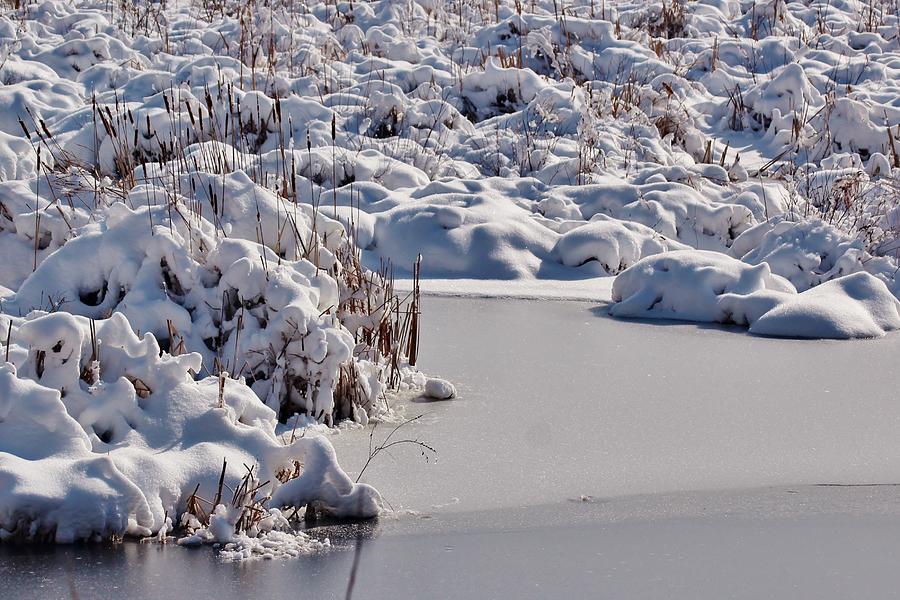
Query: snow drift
[(109, 437), (709, 287)]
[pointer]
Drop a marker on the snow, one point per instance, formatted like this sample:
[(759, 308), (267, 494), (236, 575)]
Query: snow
[(858, 305), (272, 545), (201, 212), (439, 389), (83, 460), (615, 245), (693, 285), (807, 253), (787, 92), (409, 110), (690, 285)]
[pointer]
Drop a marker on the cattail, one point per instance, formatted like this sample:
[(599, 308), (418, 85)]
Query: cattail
[(223, 375)]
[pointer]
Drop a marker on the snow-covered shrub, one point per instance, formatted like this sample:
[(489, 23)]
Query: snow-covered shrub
[(788, 94), (855, 306), (614, 244), (104, 434), (692, 285), (689, 285), (243, 308), (498, 90), (845, 126), (806, 253)]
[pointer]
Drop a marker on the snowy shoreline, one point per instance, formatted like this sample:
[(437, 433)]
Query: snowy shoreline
[(587, 290)]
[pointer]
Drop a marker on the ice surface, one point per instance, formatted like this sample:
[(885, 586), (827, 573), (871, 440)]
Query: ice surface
[(635, 408)]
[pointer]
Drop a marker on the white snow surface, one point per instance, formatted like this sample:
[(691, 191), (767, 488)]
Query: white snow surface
[(196, 183), (504, 143)]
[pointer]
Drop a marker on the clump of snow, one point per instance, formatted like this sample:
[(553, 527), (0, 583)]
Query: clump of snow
[(855, 306), (272, 545), (614, 244), (852, 129), (271, 537), (787, 93), (498, 90), (709, 287), (807, 253), (688, 285), (439, 389)]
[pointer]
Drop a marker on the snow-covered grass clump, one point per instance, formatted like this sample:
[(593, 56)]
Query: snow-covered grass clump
[(702, 286), (858, 305), (103, 434), (152, 354), (689, 285), (274, 322)]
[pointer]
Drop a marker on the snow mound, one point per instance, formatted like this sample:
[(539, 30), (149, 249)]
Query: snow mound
[(439, 389), (466, 227), (709, 287), (102, 434), (855, 306), (786, 93), (501, 229), (688, 285), (615, 245), (667, 203), (807, 253)]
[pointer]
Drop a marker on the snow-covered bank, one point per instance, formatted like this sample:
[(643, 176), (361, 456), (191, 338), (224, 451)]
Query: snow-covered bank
[(112, 438), (597, 289)]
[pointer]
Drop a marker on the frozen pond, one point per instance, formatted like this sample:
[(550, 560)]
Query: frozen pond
[(588, 457), (559, 401)]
